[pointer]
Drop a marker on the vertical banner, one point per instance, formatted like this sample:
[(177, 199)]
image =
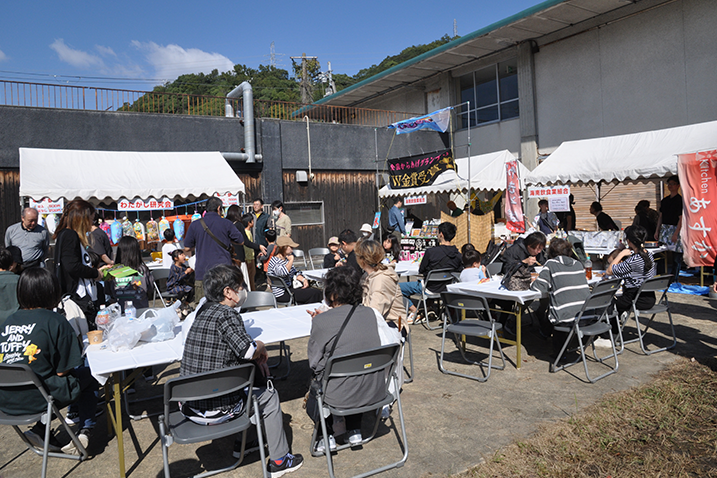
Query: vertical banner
[(699, 207), (513, 206)]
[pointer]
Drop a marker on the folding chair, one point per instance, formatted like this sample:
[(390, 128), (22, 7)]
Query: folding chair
[(436, 279), (407, 304), (256, 300), (275, 281), (494, 268), (21, 376), (656, 284), (318, 252), (176, 428), (595, 307), (462, 304), (382, 360), (299, 254), (160, 277)]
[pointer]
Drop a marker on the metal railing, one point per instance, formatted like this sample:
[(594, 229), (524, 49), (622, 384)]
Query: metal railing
[(40, 95)]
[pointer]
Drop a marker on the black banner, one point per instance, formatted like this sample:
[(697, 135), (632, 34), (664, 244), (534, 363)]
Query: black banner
[(417, 171)]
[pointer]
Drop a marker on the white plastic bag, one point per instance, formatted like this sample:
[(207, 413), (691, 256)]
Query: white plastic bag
[(125, 333), (160, 323)]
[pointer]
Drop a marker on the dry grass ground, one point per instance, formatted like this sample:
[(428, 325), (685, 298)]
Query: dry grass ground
[(667, 428)]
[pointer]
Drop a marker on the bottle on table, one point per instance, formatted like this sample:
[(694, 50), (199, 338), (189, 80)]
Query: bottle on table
[(588, 269), (129, 310)]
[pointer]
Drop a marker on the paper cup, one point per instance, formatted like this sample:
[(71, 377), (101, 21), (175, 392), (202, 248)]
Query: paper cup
[(94, 337)]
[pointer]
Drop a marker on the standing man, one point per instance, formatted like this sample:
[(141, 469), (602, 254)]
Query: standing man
[(260, 218), (605, 222), (211, 238), (395, 219), (283, 222), (32, 239)]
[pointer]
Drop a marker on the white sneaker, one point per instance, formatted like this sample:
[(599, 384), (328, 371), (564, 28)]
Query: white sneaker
[(602, 343), (355, 437), (321, 447), (84, 437)]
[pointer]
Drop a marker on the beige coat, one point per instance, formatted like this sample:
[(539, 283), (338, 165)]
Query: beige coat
[(381, 291)]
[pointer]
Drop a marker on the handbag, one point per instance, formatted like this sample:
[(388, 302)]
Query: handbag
[(517, 277), (229, 248)]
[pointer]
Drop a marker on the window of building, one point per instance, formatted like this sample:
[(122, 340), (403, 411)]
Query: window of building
[(492, 92)]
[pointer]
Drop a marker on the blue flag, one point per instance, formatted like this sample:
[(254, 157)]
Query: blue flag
[(437, 121)]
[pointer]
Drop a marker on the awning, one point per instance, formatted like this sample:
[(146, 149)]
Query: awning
[(69, 174), (487, 174), (651, 154)]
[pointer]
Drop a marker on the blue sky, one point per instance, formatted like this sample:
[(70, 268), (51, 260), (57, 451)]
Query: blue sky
[(136, 45)]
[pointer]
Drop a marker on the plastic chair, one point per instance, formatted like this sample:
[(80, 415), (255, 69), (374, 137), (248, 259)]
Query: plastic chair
[(275, 281), (299, 254), (595, 306), (434, 279), (318, 252), (22, 376), (382, 360), (176, 428), (407, 304), (160, 282), (256, 300), (656, 284), (472, 327)]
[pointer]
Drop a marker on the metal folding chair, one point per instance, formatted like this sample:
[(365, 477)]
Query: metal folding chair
[(258, 300), (318, 252), (160, 277), (275, 281), (461, 304), (656, 284), (494, 268), (176, 428), (382, 360), (593, 316), (436, 279), (299, 254), (21, 376), (409, 379)]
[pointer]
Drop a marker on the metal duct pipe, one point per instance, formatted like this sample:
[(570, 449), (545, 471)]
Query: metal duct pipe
[(248, 97), (240, 157)]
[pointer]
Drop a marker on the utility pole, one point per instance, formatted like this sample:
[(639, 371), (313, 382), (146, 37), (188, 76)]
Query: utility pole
[(306, 93), (455, 28), (328, 78)]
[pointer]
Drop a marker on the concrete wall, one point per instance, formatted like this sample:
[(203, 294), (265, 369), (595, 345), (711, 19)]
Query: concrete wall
[(650, 71)]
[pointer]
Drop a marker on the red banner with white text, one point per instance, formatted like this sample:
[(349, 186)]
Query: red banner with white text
[(513, 206), (697, 172)]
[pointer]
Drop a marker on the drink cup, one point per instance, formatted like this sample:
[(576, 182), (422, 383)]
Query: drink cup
[(94, 337)]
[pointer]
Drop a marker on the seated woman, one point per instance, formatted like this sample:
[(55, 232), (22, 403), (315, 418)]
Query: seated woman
[(47, 344), (380, 285), (634, 265), (129, 254), (564, 278), (392, 248), (282, 265), (366, 329)]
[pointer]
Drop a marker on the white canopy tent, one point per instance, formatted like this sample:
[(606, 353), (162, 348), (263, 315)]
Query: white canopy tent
[(487, 173), (100, 175), (651, 154)]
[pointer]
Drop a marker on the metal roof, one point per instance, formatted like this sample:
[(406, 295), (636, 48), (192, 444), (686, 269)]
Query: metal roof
[(545, 18)]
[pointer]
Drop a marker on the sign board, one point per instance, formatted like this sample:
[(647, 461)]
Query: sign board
[(557, 196), (141, 205), (48, 207), (413, 200), (698, 173), (229, 199), (376, 221)]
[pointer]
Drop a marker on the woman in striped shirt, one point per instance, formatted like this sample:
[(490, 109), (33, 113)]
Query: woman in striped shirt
[(634, 265), (282, 265)]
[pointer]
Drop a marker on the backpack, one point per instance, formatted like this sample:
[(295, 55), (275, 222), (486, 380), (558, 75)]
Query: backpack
[(578, 249)]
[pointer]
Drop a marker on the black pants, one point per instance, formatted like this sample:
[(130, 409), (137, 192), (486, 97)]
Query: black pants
[(308, 295), (624, 304)]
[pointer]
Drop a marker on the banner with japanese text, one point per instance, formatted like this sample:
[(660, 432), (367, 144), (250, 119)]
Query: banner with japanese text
[(437, 121), (697, 172), (513, 205), (48, 207), (417, 171), (141, 205)]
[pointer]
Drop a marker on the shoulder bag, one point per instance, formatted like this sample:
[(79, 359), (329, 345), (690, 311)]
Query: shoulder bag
[(229, 248)]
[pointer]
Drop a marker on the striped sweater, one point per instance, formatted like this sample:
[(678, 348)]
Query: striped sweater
[(564, 278), (632, 270)]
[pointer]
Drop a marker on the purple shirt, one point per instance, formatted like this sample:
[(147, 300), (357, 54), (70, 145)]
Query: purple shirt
[(208, 252)]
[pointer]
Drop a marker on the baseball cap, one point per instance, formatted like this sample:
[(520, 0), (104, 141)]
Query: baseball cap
[(334, 240)]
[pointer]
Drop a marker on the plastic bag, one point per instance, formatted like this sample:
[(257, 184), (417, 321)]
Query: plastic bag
[(125, 333), (160, 323)]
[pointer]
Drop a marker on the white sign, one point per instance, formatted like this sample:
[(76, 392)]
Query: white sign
[(559, 203), (413, 200), (140, 205), (229, 199), (548, 191), (48, 207)]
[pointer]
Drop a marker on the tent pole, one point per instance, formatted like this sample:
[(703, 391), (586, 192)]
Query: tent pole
[(378, 197), (469, 172)]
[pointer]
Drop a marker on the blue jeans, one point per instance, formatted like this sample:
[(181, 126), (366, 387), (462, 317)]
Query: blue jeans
[(86, 405), (410, 288)]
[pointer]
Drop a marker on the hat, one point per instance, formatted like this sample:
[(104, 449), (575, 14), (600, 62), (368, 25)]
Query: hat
[(365, 228), (282, 241), (334, 240)]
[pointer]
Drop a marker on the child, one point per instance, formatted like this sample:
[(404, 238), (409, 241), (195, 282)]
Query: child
[(333, 257), (473, 271), (181, 278), (263, 259), (129, 254), (247, 221)]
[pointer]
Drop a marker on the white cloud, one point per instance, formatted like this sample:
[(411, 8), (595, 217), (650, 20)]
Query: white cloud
[(105, 50), (170, 61), (78, 58), (3, 56)]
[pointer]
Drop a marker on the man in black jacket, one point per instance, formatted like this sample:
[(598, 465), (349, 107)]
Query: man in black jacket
[(443, 256)]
